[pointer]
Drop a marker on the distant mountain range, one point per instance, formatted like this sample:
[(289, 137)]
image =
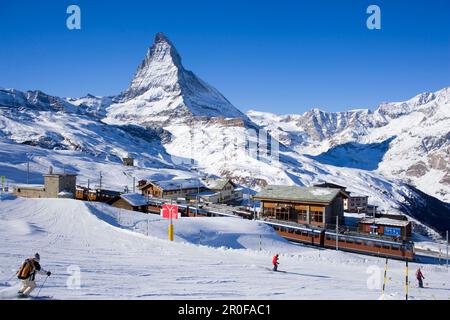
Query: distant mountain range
[(408, 140), (176, 125)]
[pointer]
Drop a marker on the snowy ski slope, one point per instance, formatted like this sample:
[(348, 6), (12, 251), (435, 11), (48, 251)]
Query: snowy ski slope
[(214, 258)]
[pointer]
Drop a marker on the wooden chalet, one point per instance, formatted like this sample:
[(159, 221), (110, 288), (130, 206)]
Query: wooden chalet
[(303, 205), (130, 201), (171, 189), (395, 228), (219, 190)]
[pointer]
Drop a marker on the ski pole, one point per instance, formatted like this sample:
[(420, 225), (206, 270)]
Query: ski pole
[(14, 274), (385, 271), (406, 281), (41, 287)]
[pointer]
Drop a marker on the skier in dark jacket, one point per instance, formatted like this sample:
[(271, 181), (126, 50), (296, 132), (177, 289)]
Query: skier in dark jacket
[(27, 273), (419, 277), (275, 262)]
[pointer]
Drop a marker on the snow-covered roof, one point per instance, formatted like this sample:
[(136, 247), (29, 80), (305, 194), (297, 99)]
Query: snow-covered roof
[(135, 199), (30, 186), (207, 194), (329, 185), (385, 222), (215, 184), (358, 196), (295, 193), (177, 184)]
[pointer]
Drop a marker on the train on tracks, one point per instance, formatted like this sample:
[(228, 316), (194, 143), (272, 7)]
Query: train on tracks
[(358, 243)]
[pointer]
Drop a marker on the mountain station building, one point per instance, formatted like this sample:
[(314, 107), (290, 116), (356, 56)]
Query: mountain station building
[(130, 201), (56, 185), (303, 205), (208, 190), (171, 189), (396, 228)]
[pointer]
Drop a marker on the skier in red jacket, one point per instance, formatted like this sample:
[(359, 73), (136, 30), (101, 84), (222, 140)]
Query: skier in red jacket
[(419, 277), (275, 262)]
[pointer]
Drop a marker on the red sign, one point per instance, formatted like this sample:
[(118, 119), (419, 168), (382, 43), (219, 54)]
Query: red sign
[(169, 211)]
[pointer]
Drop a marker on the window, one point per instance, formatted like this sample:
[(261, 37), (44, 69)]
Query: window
[(316, 216), (269, 212), (282, 213), (302, 215)]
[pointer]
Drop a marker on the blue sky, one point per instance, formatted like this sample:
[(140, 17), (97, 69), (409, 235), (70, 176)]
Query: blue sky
[(279, 56)]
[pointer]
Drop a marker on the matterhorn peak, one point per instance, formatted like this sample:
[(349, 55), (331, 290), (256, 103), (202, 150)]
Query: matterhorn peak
[(162, 49), (162, 89), (161, 37), (162, 64)]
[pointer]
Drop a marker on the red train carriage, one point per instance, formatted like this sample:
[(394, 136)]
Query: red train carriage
[(360, 244)]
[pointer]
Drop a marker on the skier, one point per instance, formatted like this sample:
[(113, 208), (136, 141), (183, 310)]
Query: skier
[(275, 262), (27, 272), (419, 277)]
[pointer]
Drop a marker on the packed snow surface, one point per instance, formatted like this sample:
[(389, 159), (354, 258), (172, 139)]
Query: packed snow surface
[(125, 255)]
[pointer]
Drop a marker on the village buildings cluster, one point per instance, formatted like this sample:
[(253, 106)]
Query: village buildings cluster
[(323, 206)]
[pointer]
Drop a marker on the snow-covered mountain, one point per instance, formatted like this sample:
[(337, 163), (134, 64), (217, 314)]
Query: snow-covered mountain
[(172, 121), (163, 91), (408, 140), (93, 105), (36, 119)]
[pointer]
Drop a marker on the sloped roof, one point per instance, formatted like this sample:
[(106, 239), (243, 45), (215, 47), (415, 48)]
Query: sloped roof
[(329, 185), (176, 184), (385, 222), (134, 199), (358, 195), (216, 184), (30, 186), (298, 194), (206, 194)]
